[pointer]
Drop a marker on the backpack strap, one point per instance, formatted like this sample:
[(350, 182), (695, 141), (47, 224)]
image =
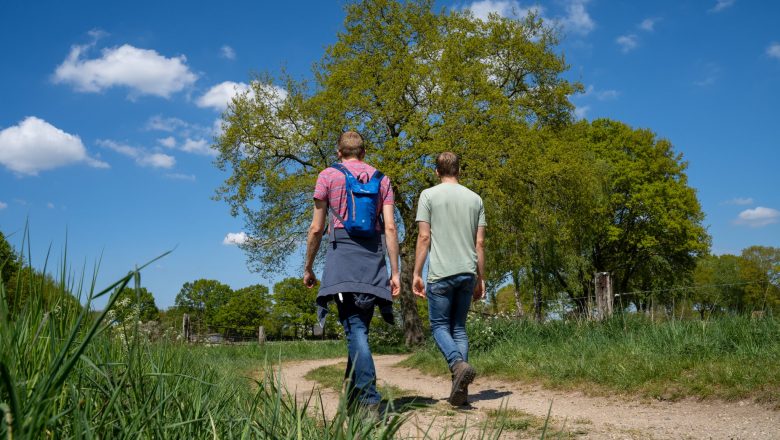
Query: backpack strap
[(378, 175), (332, 224)]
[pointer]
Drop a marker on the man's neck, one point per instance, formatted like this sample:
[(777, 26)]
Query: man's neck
[(448, 179), (350, 159)]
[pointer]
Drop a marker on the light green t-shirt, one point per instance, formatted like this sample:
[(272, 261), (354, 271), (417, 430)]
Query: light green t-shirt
[(454, 213)]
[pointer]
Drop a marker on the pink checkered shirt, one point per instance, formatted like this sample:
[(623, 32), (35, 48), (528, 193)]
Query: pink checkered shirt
[(330, 187)]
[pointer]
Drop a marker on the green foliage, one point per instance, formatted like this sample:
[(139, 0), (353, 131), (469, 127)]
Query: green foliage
[(294, 310), (718, 285), (9, 261), (760, 267), (594, 197), (415, 83), (247, 309), (650, 229), (140, 299), (202, 299)]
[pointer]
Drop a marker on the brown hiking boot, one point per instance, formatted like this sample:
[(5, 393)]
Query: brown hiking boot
[(462, 375)]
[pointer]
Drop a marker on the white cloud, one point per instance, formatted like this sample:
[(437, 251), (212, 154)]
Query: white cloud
[(157, 160), (601, 95), (3, 205), (159, 123), (627, 43), (35, 145), (773, 50), (504, 8), (50, 205), (739, 201), (235, 238), (711, 71), (227, 52), (177, 126), (180, 176), (219, 96), (141, 156), (167, 142), (604, 95), (97, 34), (143, 71), (581, 111), (758, 217), (216, 128), (722, 4), (648, 24), (198, 146), (577, 20)]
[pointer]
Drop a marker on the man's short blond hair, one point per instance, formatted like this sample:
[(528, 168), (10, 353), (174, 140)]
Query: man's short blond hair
[(350, 144), (448, 164)]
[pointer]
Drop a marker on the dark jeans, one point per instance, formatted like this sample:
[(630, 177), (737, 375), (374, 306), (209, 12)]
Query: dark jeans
[(360, 365), (448, 305)]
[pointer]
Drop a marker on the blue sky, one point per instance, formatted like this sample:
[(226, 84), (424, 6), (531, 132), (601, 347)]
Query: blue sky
[(107, 112)]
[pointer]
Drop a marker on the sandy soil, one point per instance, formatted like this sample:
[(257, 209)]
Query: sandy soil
[(574, 414)]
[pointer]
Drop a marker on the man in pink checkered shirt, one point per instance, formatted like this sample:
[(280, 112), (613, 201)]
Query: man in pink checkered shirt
[(355, 274)]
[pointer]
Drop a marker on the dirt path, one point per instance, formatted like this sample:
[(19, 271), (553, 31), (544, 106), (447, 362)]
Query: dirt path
[(576, 415)]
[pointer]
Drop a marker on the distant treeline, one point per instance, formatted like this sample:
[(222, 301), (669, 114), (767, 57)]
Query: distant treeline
[(718, 285)]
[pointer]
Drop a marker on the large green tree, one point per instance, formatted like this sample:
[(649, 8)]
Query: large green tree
[(414, 82), (760, 269), (594, 197), (293, 307), (718, 285), (247, 309), (202, 298), (543, 215), (141, 299)]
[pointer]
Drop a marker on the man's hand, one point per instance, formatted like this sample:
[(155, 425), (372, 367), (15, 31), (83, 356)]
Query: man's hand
[(309, 279), (479, 289), (395, 284), (418, 287)]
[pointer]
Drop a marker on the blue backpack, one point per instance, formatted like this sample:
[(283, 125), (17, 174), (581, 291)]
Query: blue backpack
[(362, 203)]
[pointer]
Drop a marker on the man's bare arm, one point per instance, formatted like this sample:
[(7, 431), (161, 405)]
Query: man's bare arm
[(479, 244), (420, 254), (391, 241), (313, 240)]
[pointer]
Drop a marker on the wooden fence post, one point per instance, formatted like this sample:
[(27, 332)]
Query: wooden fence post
[(604, 296), (261, 335), (185, 327)]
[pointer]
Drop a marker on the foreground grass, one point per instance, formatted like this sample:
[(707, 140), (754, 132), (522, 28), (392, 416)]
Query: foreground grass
[(729, 358), (66, 372)]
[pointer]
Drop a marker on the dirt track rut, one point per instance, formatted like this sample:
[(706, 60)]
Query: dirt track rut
[(580, 416)]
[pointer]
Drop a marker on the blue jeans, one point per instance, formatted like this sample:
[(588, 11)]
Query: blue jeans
[(360, 365), (448, 304)]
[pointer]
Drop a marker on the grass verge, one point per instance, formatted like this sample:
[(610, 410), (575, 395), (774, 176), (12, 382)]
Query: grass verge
[(729, 358)]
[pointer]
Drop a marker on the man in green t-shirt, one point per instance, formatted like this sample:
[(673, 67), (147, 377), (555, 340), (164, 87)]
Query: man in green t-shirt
[(451, 221)]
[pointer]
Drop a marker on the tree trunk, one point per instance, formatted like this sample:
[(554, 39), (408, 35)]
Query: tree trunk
[(518, 301), (413, 332), (537, 298)]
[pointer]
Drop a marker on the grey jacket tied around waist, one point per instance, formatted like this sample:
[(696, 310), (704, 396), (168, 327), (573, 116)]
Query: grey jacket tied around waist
[(355, 265)]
